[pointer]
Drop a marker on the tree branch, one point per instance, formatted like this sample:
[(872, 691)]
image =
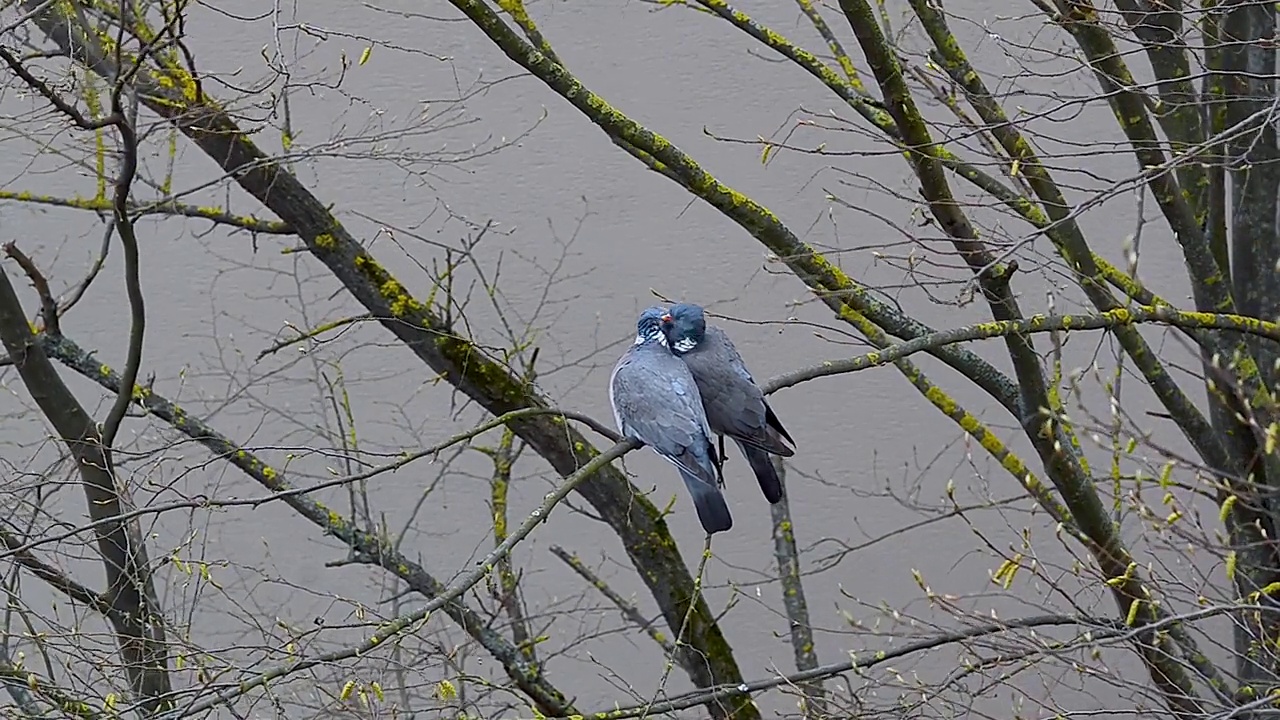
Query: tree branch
[(533, 683), (55, 578), (121, 121), (1066, 234), (628, 608), (318, 330), (526, 676), (852, 302), (793, 598), (70, 354), (453, 356), (833, 43), (64, 701), (1080, 19), (861, 661), (132, 280), (1162, 314), (508, 590), (215, 215), (1159, 27), (48, 306), (136, 617), (1248, 62)]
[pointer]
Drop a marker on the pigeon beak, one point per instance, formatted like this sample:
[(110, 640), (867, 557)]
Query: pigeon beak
[(666, 319)]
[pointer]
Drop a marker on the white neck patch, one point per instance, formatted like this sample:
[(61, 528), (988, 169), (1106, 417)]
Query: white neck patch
[(685, 344), (653, 335)]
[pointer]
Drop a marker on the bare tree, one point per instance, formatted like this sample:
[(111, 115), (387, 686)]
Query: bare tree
[(1156, 543)]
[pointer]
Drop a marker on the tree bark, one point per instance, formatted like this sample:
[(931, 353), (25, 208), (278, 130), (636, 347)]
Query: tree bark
[(174, 94), (134, 610)]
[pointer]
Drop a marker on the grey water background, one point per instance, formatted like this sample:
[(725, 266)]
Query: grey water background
[(410, 166)]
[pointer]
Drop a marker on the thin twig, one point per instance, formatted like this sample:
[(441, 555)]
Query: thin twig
[(1119, 317), (684, 624), (628, 608), (860, 661), (171, 208), (64, 701), (508, 590), (793, 598), (406, 622), (54, 99), (48, 306), (317, 330), (73, 296), (441, 596), (170, 413), (54, 577), (132, 279)]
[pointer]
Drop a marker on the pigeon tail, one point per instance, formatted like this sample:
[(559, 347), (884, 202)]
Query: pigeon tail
[(772, 421), (767, 440), (713, 511), (766, 474)]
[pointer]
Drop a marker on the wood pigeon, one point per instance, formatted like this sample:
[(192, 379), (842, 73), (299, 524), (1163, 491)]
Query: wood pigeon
[(734, 404), (655, 400)]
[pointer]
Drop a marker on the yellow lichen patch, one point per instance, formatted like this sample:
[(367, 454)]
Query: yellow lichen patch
[(863, 325), (1121, 316), (74, 201), (996, 327), (335, 521), (326, 241), (103, 204), (399, 301), (178, 81), (841, 56), (472, 362)]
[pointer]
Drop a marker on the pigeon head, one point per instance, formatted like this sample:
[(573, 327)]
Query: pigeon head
[(684, 325), (649, 326)]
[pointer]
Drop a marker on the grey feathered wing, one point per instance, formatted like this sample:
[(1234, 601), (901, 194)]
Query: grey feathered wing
[(655, 400), (736, 407)]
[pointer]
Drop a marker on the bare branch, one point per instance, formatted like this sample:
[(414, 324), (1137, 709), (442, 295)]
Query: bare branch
[(371, 547), (508, 585), (429, 335), (136, 617), (1111, 319), (215, 215), (54, 99), (628, 608), (132, 274), (860, 662), (318, 330), (793, 598), (64, 701), (55, 578), (441, 598), (48, 306)]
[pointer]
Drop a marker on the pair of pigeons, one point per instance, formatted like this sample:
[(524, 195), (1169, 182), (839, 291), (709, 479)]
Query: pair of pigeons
[(683, 380)]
